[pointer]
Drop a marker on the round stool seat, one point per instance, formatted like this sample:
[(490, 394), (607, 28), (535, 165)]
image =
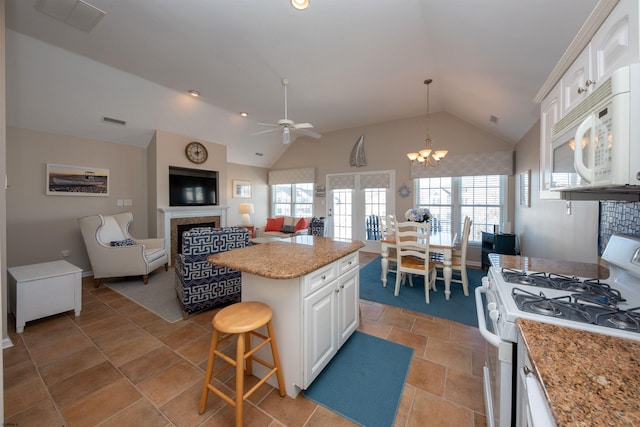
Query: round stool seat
[(242, 317)]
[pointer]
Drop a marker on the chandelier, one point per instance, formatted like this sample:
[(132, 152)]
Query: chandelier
[(427, 156)]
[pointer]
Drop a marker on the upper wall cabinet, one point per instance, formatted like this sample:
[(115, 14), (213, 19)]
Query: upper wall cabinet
[(616, 42), (614, 45), (549, 115)]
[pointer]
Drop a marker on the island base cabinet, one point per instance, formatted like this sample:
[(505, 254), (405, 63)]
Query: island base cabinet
[(331, 316), (313, 316)]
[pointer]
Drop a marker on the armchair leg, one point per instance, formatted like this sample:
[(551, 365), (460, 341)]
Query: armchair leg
[(97, 282), (185, 315), (166, 267), (145, 279)]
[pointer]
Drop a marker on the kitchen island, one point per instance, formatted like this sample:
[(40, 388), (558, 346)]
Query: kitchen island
[(312, 285), (588, 379)]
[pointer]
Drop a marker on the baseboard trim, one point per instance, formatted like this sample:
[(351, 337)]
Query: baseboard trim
[(6, 343)]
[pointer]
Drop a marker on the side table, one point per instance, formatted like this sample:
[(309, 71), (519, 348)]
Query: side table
[(251, 229), (41, 290)]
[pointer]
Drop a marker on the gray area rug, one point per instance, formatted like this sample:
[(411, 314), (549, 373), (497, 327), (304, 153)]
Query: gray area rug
[(158, 296)]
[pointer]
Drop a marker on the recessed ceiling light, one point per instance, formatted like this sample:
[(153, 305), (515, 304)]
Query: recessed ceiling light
[(259, 154), (300, 4), (194, 93), (244, 114)]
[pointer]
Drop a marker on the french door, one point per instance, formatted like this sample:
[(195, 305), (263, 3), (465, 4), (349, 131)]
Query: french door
[(353, 199)]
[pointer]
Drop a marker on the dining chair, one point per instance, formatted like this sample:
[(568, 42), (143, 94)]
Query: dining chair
[(412, 255), (387, 233), (459, 259)]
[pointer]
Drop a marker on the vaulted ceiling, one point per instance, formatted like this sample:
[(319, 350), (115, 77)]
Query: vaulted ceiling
[(349, 64)]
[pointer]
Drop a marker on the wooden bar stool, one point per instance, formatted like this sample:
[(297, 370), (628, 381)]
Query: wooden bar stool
[(241, 320)]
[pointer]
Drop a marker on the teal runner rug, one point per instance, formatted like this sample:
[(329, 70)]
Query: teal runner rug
[(364, 381), (458, 308)]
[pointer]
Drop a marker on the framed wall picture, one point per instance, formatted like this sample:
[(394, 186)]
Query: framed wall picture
[(241, 189), (525, 189), (65, 180)]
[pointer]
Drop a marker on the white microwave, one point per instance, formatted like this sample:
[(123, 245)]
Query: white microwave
[(596, 146)]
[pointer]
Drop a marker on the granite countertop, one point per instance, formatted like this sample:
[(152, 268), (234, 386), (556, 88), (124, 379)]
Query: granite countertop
[(588, 378), (287, 258), (567, 268)]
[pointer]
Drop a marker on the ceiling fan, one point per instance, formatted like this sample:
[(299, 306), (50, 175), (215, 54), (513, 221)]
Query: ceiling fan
[(288, 126)]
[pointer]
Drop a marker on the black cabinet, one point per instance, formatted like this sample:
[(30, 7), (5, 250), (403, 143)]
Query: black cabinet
[(505, 244)]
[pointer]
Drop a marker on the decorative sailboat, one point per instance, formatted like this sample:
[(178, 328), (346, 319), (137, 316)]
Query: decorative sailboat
[(358, 157)]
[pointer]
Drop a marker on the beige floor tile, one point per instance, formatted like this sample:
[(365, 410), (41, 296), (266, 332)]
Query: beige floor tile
[(324, 417), (63, 368), (429, 410), (196, 351), (398, 319), (465, 390), (226, 416), (69, 390), (448, 354), (140, 414), (43, 414), (404, 337), (118, 336), (103, 326), (169, 383), (427, 376), (132, 349), (20, 397), (429, 328), (100, 405), (288, 411), (149, 364), (375, 329), (59, 349), (182, 410), (182, 336)]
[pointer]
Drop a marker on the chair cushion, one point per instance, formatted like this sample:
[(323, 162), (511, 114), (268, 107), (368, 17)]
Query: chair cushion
[(153, 254), (125, 242), (302, 224), (274, 224), (288, 224)]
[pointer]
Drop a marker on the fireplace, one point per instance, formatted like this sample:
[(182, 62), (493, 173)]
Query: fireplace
[(188, 217), (178, 225)]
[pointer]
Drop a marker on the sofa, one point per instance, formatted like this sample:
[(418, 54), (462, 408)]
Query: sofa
[(201, 285), (283, 227)]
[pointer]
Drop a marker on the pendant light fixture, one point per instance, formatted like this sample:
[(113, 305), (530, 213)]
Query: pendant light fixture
[(427, 156)]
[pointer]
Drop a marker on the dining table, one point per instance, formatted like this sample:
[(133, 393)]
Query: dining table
[(438, 242)]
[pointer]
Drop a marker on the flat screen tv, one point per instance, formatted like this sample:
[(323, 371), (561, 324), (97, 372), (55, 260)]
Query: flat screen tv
[(192, 187)]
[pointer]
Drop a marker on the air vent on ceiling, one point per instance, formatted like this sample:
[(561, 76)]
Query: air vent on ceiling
[(114, 121), (493, 119), (77, 13)]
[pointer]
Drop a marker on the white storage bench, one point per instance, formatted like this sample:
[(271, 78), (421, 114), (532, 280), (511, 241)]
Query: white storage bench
[(41, 290)]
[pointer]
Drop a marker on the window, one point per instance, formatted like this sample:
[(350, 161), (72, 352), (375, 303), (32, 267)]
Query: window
[(292, 200), (450, 199)]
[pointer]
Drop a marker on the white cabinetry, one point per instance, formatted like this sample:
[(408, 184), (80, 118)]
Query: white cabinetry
[(549, 115), (313, 316), (532, 408), (615, 44)]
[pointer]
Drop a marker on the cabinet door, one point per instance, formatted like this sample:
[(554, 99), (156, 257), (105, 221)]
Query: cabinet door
[(320, 326), (348, 305), (616, 42), (576, 82), (549, 115)]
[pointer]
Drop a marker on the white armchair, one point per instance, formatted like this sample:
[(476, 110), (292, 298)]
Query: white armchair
[(114, 253)]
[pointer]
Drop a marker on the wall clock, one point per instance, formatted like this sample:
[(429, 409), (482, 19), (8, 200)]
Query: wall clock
[(196, 152)]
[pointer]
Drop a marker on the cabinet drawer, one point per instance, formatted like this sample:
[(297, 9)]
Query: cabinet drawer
[(321, 277), (348, 262)]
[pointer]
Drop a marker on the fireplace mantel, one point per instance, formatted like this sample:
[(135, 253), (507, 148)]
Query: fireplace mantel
[(169, 213)]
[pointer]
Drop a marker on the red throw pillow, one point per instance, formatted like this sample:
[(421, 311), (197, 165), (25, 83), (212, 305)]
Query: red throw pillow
[(274, 224), (301, 224)]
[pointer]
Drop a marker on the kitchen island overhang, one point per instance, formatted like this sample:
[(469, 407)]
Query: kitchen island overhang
[(312, 285)]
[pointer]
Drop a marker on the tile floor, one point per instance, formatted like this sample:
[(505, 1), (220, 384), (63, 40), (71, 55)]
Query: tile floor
[(121, 365)]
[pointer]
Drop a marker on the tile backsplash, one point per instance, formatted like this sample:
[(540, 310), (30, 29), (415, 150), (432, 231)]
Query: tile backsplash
[(617, 217)]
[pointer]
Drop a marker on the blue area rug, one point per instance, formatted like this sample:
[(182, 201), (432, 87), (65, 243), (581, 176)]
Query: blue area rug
[(458, 308), (364, 381)]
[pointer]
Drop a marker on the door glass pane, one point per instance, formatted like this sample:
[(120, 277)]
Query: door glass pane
[(342, 213), (375, 203)]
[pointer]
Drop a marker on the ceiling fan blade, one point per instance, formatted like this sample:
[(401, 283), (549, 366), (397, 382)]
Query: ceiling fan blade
[(269, 124), (308, 133), (303, 126), (266, 131)]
